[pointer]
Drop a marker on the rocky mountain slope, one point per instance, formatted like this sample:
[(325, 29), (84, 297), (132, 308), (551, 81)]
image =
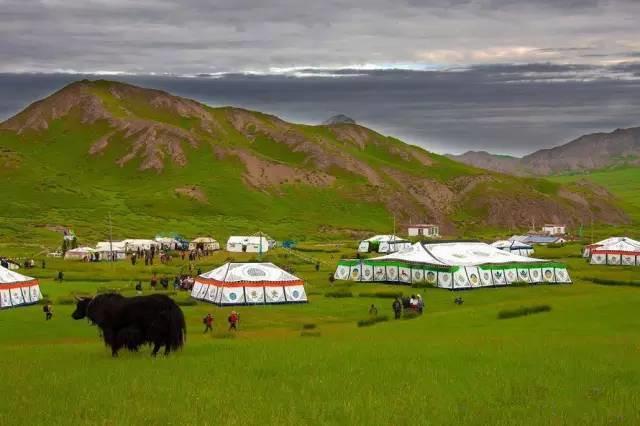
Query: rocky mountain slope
[(590, 152), (160, 162)]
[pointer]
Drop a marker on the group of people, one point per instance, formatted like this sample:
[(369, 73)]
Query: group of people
[(233, 319), (180, 282)]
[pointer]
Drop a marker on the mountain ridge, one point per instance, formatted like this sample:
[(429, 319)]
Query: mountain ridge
[(152, 155), (594, 151)]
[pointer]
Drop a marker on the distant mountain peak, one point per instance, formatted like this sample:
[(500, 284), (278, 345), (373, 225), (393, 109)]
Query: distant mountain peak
[(339, 119)]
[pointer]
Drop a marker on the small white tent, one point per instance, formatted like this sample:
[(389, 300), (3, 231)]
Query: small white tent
[(250, 244), (249, 284), (132, 244), (204, 243), (515, 247), (614, 251), (383, 244), (114, 250), (79, 253), (456, 265), (17, 289)]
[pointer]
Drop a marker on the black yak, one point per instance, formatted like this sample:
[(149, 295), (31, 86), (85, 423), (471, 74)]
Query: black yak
[(132, 322)]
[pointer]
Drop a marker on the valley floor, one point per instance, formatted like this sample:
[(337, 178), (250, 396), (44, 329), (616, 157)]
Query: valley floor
[(577, 364)]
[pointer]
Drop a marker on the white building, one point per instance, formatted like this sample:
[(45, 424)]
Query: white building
[(248, 244), (551, 229), (424, 230)]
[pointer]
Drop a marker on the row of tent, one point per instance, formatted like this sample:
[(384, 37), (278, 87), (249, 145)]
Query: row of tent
[(613, 251), (118, 250), (393, 244), (453, 265)]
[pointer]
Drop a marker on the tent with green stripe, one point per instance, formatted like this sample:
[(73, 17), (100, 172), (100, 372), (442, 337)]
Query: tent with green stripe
[(453, 265)]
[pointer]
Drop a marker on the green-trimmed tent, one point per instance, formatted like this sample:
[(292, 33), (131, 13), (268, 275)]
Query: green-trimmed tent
[(383, 244), (456, 265)]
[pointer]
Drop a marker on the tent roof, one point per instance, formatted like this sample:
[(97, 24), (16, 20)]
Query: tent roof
[(81, 250), (107, 246), (456, 254), (385, 238), (620, 246), (251, 239), (614, 240), (11, 277), (204, 240), (249, 273), (514, 245)]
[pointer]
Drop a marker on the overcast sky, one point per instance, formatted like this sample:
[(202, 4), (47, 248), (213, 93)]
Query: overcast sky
[(198, 36), (508, 76)]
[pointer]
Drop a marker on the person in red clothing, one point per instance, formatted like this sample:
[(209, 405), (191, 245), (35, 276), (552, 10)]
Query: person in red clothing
[(234, 319), (208, 323)]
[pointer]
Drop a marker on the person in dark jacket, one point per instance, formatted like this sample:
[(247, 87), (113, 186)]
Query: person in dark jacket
[(397, 308), (208, 323)]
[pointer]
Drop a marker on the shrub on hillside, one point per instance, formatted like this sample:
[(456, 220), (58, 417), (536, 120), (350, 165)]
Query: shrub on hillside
[(373, 320), (383, 294), (523, 311), (339, 293)]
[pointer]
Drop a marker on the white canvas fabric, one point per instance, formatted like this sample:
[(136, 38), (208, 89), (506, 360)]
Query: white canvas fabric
[(385, 243), (251, 283), (17, 289), (515, 247), (248, 244)]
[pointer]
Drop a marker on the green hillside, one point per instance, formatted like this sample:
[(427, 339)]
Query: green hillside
[(159, 163)]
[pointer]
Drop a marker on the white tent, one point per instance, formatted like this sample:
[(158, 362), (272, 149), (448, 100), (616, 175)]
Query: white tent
[(614, 251), (456, 265), (383, 244), (79, 253), (114, 250), (131, 245), (249, 284), (17, 289), (250, 244), (515, 247), (204, 243), (586, 252)]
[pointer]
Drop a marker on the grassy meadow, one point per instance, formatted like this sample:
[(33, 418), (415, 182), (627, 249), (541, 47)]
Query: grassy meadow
[(576, 364)]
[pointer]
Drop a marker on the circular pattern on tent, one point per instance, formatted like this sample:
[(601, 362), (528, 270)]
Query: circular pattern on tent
[(431, 277), (511, 275), (598, 258), (295, 294), (233, 296), (355, 273), (548, 274), (473, 278), (417, 274), (486, 276), (343, 272), (256, 272), (391, 273), (366, 272), (535, 273), (445, 277), (498, 274), (404, 276), (523, 273)]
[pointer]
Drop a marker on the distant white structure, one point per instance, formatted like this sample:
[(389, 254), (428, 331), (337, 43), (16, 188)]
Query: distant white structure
[(248, 244), (79, 253), (111, 250), (383, 244), (551, 229), (424, 230), (515, 247), (131, 245), (204, 243)]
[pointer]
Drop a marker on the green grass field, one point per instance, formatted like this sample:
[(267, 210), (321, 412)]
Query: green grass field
[(576, 364)]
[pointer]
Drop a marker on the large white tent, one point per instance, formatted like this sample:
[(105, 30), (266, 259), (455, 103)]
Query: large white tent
[(383, 244), (249, 284), (248, 244), (17, 289), (515, 247), (111, 250), (453, 265), (614, 251), (79, 253), (134, 244)]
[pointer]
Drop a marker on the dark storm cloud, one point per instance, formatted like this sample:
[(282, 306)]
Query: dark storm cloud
[(195, 36)]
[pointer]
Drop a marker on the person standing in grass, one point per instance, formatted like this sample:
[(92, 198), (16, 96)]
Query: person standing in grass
[(233, 319), (154, 281), (397, 308), (208, 323), (373, 311), (139, 287), (48, 311)]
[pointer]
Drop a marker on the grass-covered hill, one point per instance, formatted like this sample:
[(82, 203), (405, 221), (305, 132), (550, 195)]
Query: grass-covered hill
[(161, 163)]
